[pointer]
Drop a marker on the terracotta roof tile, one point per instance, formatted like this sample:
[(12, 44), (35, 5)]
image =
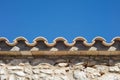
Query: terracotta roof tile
[(59, 44)]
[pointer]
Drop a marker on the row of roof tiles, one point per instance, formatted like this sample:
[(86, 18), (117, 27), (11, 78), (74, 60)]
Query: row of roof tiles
[(37, 39)]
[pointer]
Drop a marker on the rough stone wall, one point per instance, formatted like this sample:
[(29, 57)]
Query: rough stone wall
[(60, 68)]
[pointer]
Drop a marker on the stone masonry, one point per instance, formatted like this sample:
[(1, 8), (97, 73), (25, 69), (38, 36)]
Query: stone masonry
[(60, 68)]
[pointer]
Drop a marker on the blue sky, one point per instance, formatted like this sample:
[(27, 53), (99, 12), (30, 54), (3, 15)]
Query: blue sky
[(53, 18)]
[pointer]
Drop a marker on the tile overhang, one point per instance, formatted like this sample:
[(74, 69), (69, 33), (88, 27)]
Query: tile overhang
[(59, 52)]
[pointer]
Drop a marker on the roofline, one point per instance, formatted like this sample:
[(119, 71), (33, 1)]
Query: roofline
[(15, 41)]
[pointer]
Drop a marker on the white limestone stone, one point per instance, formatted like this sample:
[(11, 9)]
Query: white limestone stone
[(62, 64), (112, 48), (36, 71), (74, 49), (102, 68), (79, 63), (21, 64), (93, 49), (3, 77), (53, 49), (80, 75), (34, 49), (56, 78), (2, 71), (44, 76), (59, 71), (79, 66), (92, 73), (47, 71), (15, 48), (110, 76), (15, 67), (35, 77), (117, 64), (20, 73), (2, 64), (12, 77), (64, 78), (45, 66), (28, 69), (114, 69)]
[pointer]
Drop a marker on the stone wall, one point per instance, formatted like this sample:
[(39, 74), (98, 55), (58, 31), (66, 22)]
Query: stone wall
[(60, 68)]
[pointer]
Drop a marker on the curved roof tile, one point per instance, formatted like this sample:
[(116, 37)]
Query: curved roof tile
[(79, 41)]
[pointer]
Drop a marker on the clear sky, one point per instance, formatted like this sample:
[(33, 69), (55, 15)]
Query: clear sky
[(54, 18)]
